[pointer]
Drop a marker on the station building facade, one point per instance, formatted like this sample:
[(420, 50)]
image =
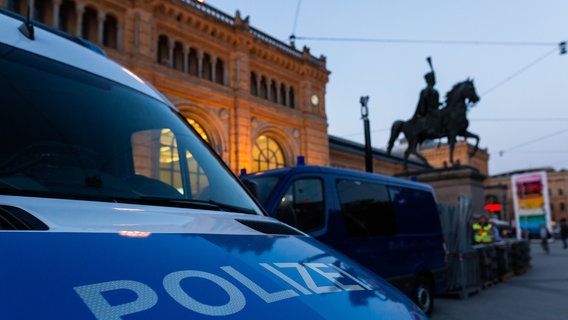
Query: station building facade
[(260, 103)]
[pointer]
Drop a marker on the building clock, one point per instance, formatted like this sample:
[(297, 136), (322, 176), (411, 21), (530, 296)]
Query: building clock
[(315, 100)]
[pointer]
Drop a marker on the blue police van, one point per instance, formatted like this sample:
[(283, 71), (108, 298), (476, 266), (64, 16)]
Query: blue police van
[(112, 207), (390, 225)]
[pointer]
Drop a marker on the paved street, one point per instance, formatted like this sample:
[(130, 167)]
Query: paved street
[(541, 293)]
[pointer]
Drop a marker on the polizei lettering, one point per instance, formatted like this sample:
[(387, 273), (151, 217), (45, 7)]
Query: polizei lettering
[(296, 279)]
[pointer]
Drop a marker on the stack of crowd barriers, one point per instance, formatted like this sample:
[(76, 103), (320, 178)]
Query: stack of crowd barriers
[(474, 267)]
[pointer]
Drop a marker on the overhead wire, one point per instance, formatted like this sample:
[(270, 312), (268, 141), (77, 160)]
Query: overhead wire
[(518, 72), (293, 34), (418, 41), (501, 152), (520, 119)]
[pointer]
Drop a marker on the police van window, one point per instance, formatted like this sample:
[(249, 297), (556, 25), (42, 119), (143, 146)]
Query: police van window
[(366, 208), (417, 211), (68, 133), (156, 156), (302, 205), (262, 186)]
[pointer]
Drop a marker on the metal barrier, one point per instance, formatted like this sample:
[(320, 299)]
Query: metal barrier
[(463, 273), (472, 267)]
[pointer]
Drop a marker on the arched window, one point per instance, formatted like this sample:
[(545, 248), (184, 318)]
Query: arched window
[(196, 174), (562, 206), (67, 16), (220, 71), (282, 94), (199, 129), (163, 50), (169, 160), (253, 84), (273, 92), (263, 92), (89, 27), (110, 33), (178, 56), (207, 67), (14, 5), (267, 154), (192, 62), (39, 11), (292, 99)]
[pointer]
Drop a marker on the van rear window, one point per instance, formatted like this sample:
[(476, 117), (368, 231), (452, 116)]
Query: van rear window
[(367, 208)]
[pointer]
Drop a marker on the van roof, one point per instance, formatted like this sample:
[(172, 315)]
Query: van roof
[(307, 169)]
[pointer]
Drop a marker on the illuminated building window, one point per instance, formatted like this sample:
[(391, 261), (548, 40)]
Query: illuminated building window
[(267, 154), (197, 177), (170, 165), (198, 128), (169, 160)]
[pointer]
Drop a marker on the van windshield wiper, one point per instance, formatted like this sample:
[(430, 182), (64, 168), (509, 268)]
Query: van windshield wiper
[(192, 203)]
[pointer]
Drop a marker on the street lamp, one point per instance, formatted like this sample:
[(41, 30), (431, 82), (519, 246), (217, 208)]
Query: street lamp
[(365, 116)]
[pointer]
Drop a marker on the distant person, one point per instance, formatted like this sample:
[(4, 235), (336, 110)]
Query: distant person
[(563, 232), (544, 236), (496, 234), (483, 231)]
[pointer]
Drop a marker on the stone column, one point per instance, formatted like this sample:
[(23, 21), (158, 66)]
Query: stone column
[(79, 11), (56, 4), (120, 35), (186, 50), (278, 94), (101, 17), (268, 89), (287, 97), (225, 73), (200, 55), (171, 44), (258, 83), (213, 68)]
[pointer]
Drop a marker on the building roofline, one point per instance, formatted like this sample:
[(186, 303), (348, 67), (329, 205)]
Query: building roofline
[(341, 144), (237, 22), (510, 173)]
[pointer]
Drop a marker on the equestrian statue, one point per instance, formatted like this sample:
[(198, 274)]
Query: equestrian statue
[(432, 122)]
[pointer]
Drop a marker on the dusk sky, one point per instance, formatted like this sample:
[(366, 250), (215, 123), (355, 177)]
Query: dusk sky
[(509, 48)]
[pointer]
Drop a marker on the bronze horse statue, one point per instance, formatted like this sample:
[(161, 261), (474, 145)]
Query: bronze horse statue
[(450, 122)]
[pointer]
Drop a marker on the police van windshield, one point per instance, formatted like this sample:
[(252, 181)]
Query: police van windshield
[(67, 133)]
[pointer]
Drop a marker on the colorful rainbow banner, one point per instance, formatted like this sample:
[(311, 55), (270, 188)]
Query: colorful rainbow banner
[(531, 202)]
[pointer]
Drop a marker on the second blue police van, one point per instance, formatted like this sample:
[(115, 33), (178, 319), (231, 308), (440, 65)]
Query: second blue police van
[(389, 225)]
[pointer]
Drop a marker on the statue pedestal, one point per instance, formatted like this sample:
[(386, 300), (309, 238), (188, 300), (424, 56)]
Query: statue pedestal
[(448, 183)]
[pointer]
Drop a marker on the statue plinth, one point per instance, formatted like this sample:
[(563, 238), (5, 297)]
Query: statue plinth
[(449, 183)]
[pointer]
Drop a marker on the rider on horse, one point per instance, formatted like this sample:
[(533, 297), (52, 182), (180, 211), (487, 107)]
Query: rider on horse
[(429, 101)]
